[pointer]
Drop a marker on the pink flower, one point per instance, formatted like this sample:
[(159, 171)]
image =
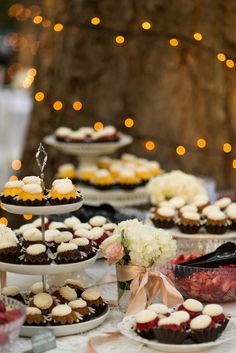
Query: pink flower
[(114, 252)]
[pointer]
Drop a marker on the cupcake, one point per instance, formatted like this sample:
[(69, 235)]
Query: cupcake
[(102, 179), (71, 222), (7, 234), (23, 228), (223, 203), (189, 222), (32, 236), (231, 213), (12, 292), (216, 222), (32, 180), (9, 251), (31, 195), (127, 179), (62, 133), (109, 228), (94, 300), (80, 307), (50, 236), (75, 284), (204, 329), (36, 255), (67, 171), (201, 201), (104, 162), (37, 288), (60, 226), (215, 311), (78, 136), (34, 317), (160, 309), (65, 294), (183, 317), (146, 321), (192, 306), (97, 221), (107, 134), (67, 253), (86, 174), (63, 237), (38, 223), (83, 233), (163, 217), (177, 202), (63, 315), (170, 331), (143, 173), (63, 193), (42, 301), (85, 225), (98, 235), (85, 246), (209, 209), (187, 208), (11, 190)]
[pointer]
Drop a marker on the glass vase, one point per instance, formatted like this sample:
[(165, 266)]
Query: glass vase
[(123, 295)]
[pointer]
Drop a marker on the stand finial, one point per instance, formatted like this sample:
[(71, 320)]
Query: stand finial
[(41, 165)]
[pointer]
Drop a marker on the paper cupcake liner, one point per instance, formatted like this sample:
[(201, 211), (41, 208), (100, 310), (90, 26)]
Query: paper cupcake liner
[(148, 334), (233, 225), (41, 259), (31, 203), (206, 335), (98, 309), (64, 201), (35, 322), (169, 336), (103, 187), (166, 224), (189, 229), (223, 324), (216, 229), (17, 297), (11, 256), (68, 257), (10, 200)]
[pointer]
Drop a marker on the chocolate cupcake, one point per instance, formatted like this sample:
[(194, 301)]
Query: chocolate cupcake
[(50, 236), (80, 307), (231, 213), (34, 317), (36, 255), (107, 134), (32, 236), (76, 285), (187, 208), (146, 321), (9, 251), (192, 306), (170, 331), (7, 234), (204, 329), (59, 226), (63, 192), (67, 253), (42, 301), (37, 288), (201, 201), (189, 222), (85, 246), (164, 217), (216, 223), (177, 202), (13, 292), (38, 223), (94, 300), (65, 294), (72, 223), (23, 228), (63, 315), (183, 317), (223, 203), (215, 311), (63, 237), (209, 209)]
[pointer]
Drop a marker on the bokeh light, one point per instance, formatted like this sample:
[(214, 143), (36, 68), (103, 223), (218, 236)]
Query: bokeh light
[(27, 216), (39, 96), (129, 122), (150, 145), (16, 164), (221, 57), (58, 27), (95, 21), (227, 147), (57, 105), (197, 36), (229, 63), (4, 220), (120, 39), (146, 25), (77, 105), (234, 163), (98, 125), (13, 178), (174, 42), (37, 19), (201, 143), (180, 150)]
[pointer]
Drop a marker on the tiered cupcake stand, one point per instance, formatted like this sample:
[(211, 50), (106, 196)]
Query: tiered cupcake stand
[(52, 269), (87, 154)]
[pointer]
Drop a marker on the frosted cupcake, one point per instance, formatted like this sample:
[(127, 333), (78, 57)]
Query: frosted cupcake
[(11, 190), (127, 179), (201, 201), (170, 331), (209, 209), (38, 223), (216, 222), (62, 133), (67, 253), (143, 173), (81, 308), (63, 192), (63, 237), (32, 236), (63, 315), (189, 222), (86, 174), (85, 246), (37, 288), (67, 171), (72, 222), (7, 234), (183, 317), (75, 284), (107, 134), (146, 321), (223, 203), (102, 179), (192, 306), (177, 202), (34, 317), (31, 195), (163, 217), (204, 329), (13, 292), (216, 312), (97, 221), (65, 294), (32, 180), (36, 255), (187, 208), (231, 213), (9, 251), (42, 301), (94, 300), (58, 225), (97, 235), (50, 236), (160, 309)]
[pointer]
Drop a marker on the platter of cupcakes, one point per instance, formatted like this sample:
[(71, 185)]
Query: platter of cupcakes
[(67, 310), (190, 327), (28, 196)]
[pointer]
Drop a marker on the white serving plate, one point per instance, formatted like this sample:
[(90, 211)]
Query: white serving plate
[(51, 269), (88, 149), (126, 328), (42, 210), (66, 330)]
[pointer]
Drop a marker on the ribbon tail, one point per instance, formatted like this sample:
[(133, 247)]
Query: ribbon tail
[(170, 295), (138, 299)]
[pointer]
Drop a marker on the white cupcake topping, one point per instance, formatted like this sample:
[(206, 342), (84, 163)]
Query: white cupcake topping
[(37, 287), (63, 237), (32, 188), (51, 234), (35, 249), (166, 211), (8, 244), (25, 227), (79, 303), (127, 173), (213, 310), (231, 213), (71, 222), (223, 202), (168, 321), (97, 221), (200, 322), (66, 247), (14, 184), (6, 234), (102, 173), (109, 226), (32, 180), (80, 241), (57, 225), (10, 291), (32, 234), (74, 282), (232, 206), (67, 167), (193, 305), (159, 308), (91, 294), (193, 216), (181, 316), (43, 300), (62, 131), (200, 200), (188, 208), (83, 226), (64, 188), (59, 181), (31, 310), (81, 232), (61, 310), (38, 222), (210, 208), (216, 216), (177, 202), (145, 316), (96, 233), (68, 293)]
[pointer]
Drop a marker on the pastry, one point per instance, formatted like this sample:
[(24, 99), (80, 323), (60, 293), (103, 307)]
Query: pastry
[(192, 306), (76, 285), (31, 195), (67, 253), (163, 217), (204, 329), (216, 222), (189, 222), (42, 301), (36, 255), (80, 307), (170, 331), (12, 292), (65, 294), (63, 192), (34, 317), (93, 298), (9, 251), (11, 190), (146, 321), (62, 133), (62, 315)]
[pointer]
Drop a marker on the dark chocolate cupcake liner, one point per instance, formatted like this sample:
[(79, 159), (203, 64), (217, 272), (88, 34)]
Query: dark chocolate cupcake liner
[(128, 186), (169, 336), (148, 334), (205, 335), (103, 187), (166, 224), (233, 225), (31, 203), (10, 200), (68, 257), (100, 309), (223, 324), (41, 259), (189, 229), (11, 256), (216, 229), (17, 297), (64, 201)]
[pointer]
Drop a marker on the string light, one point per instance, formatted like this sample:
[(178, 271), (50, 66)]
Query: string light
[(16, 164), (58, 27), (197, 36), (4, 220), (174, 42), (227, 147), (129, 122), (95, 21), (201, 143), (37, 19), (229, 63), (57, 105), (77, 105), (39, 96), (234, 163), (180, 150), (146, 25), (120, 39), (221, 57), (150, 145), (13, 178), (32, 72), (27, 216), (98, 126), (46, 23)]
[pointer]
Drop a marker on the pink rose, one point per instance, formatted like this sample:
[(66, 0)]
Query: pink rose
[(114, 252)]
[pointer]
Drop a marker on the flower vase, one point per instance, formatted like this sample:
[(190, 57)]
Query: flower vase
[(123, 295)]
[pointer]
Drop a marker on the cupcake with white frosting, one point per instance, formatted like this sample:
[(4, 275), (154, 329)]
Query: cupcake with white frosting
[(85, 246), (187, 208), (102, 179), (38, 223), (216, 222), (32, 179), (67, 253), (80, 307), (160, 309), (146, 321), (163, 217), (31, 195), (62, 314), (209, 209), (65, 294), (12, 292), (7, 234), (63, 192), (72, 222), (189, 222), (201, 201), (36, 255), (32, 236), (58, 225), (107, 134), (216, 312), (231, 213), (50, 236), (9, 251), (192, 306), (170, 331), (11, 190), (42, 301), (97, 221), (62, 134), (37, 288), (223, 203), (67, 170), (204, 329), (34, 317), (183, 317), (94, 300), (75, 284), (177, 202)]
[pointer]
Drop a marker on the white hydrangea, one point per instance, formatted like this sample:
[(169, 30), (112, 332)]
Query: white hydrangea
[(175, 183)]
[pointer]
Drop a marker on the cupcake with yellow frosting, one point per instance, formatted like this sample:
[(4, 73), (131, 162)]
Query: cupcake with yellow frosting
[(127, 179), (67, 171), (11, 190), (144, 173), (31, 195), (86, 174), (102, 179), (63, 192)]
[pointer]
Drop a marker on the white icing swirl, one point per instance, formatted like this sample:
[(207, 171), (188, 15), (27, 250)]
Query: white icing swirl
[(193, 305), (168, 321), (200, 322), (43, 300), (32, 180), (166, 211), (31, 310), (32, 189), (91, 294), (35, 249), (64, 188), (63, 237), (80, 241), (32, 234), (68, 293), (97, 221), (181, 316), (79, 303), (159, 308), (61, 310), (66, 247), (193, 216), (213, 310), (10, 291), (14, 184), (216, 216)]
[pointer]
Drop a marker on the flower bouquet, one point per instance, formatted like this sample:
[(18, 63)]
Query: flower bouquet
[(136, 249)]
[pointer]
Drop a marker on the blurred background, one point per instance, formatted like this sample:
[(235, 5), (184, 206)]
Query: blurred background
[(160, 71)]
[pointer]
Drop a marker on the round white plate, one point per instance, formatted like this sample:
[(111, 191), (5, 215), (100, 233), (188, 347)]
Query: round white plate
[(88, 149), (42, 210), (126, 328), (51, 269), (66, 330)]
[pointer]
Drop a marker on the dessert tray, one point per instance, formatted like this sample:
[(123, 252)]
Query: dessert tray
[(126, 327), (66, 330)]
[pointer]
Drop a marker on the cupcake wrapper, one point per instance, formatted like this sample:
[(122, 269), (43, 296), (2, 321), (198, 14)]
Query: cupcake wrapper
[(98, 309), (68, 257), (148, 334), (189, 229), (12, 257), (61, 139), (18, 297), (166, 224), (233, 225), (216, 229), (103, 187), (166, 335), (42, 259), (224, 324), (35, 323), (31, 203), (206, 335), (8, 200), (64, 201), (128, 186)]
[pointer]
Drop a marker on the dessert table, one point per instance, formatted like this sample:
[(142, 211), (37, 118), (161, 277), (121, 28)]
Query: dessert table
[(98, 273)]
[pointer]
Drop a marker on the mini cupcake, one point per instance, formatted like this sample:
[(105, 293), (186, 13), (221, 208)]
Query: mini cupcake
[(76, 285), (160, 309), (37, 288), (42, 301), (63, 237), (58, 225), (67, 253), (38, 223), (32, 180), (97, 221), (50, 236), (144, 174), (67, 171), (34, 317), (36, 255), (154, 168), (94, 300), (107, 134), (189, 222), (170, 331), (192, 306), (216, 222), (102, 179), (82, 233), (183, 317), (23, 228), (86, 174), (231, 213), (104, 162), (71, 222), (85, 246), (164, 217), (98, 235), (13, 292), (9, 251), (187, 208), (78, 136), (7, 234), (204, 329), (62, 133), (11, 190), (86, 226), (32, 236), (80, 307), (209, 209), (63, 315), (177, 202), (31, 195), (127, 179), (64, 193), (108, 229), (146, 321), (215, 311), (65, 294), (223, 203), (201, 201)]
